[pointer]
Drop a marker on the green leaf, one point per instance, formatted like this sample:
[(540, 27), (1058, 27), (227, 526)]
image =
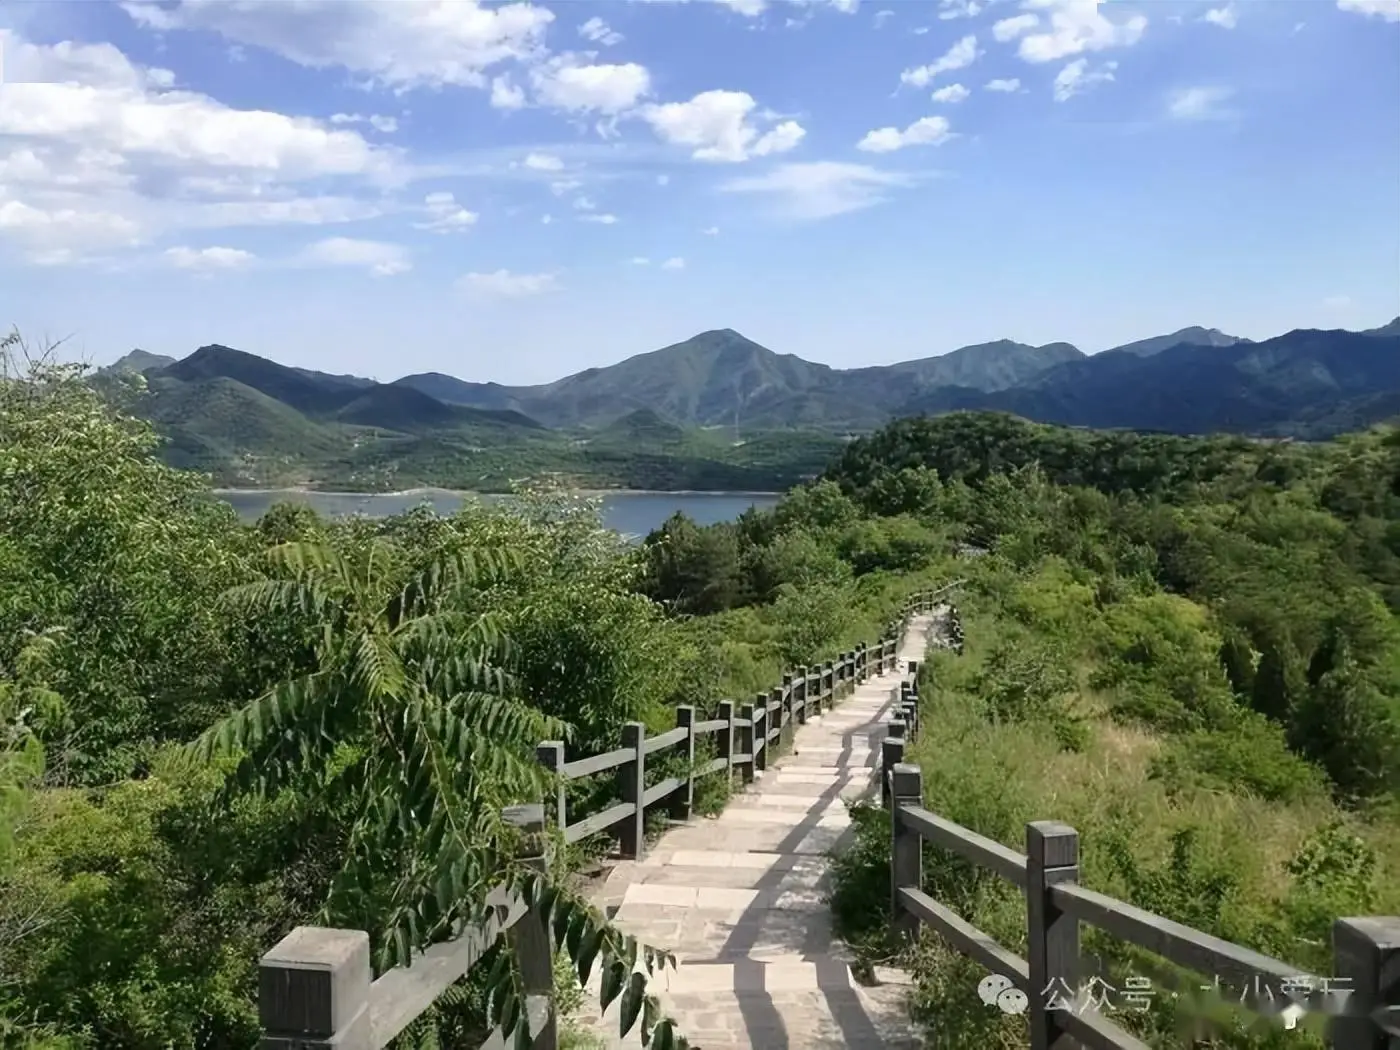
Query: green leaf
[(613, 978), (588, 951), (632, 1001)]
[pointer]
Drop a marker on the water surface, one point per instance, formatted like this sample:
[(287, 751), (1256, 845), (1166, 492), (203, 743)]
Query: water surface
[(631, 513)]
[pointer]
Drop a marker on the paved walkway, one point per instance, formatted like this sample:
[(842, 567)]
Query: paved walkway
[(742, 900)]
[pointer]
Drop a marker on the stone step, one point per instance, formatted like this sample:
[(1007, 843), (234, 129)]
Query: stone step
[(719, 935), (793, 807), (759, 838), (778, 1014), (717, 869), (784, 817), (731, 903)]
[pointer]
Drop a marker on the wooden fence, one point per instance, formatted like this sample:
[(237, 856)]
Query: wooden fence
[(1053, 984), (315, 987)]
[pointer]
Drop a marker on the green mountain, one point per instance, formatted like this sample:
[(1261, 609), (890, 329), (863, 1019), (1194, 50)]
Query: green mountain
[(721, 411), (1193, 336), (136, 362), (721, 378), (1306, 383)]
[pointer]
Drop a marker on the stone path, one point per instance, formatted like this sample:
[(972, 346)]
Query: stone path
[(741, 900)]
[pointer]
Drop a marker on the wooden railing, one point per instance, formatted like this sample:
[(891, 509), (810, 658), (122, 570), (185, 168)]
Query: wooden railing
[(315, 987), (1360, 997)]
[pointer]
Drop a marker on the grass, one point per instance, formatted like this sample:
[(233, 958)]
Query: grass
[(1225, 861)]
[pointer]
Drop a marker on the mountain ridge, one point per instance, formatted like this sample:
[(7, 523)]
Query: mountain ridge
[(695, 402)]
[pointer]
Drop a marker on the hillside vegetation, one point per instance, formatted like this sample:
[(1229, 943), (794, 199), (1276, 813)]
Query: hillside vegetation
[(1188, 650), (211, 733), (719, 411)]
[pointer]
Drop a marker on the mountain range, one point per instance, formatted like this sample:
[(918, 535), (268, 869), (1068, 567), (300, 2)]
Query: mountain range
[(722, 401)]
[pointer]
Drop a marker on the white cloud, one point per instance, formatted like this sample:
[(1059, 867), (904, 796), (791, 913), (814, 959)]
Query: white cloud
[(640, 260), (711, 231), (951, 94), (603, 219), (960, 9), (62, 235), (1009, 85), (208, 259), (820, 189), (546, 219), (959, 56), (543, 162), (590, 88), (506, 95), (388, 125), (502, 284), (584, 204), (881, 17), (1224, 17), (674, 263), (559, 187), (445, 215), (98, 153), (663, 180), (402, 45), (1016, 25), (1386, 10), (91, 96), (716, 126), (1077, 26), (598, 31), (1199, 103), (928, 131), (1077, 78), (379, 257)]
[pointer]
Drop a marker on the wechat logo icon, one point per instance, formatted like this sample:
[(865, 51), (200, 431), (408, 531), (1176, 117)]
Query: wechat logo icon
[(997, 990)]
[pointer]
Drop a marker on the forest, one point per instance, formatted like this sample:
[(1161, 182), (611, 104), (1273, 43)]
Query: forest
[(214, 732)]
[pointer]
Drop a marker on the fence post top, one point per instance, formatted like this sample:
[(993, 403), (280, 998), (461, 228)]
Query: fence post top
[(318, 948), (1381, 931), (528, 816), (907, 781), (685, 714), (633, 731), (1052, 844)]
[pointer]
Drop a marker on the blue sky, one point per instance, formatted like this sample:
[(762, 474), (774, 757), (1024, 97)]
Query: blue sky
[(516, 192)]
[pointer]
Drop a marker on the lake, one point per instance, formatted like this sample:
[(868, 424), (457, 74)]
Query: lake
[(631, 513)]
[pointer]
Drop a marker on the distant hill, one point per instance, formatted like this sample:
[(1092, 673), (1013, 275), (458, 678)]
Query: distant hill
[(1193, 336), (136, 361), (1286, 385), (721, 406)]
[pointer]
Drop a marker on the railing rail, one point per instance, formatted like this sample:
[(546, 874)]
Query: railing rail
[(315, 987), (1360, 997)]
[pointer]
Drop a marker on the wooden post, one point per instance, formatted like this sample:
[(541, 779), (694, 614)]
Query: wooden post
[(801, 706), (782, 719), (551, 755), (914, 671), (726, 740), (906, 848), (891, 755), (683, 799), (1052, 858), (829, 686), (1366, 959), (910, 712), (530, 939), (746, 745), (760, 734), (632, 786), (313, 991)]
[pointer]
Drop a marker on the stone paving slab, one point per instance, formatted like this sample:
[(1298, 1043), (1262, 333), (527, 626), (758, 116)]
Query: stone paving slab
[(740, 900)]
